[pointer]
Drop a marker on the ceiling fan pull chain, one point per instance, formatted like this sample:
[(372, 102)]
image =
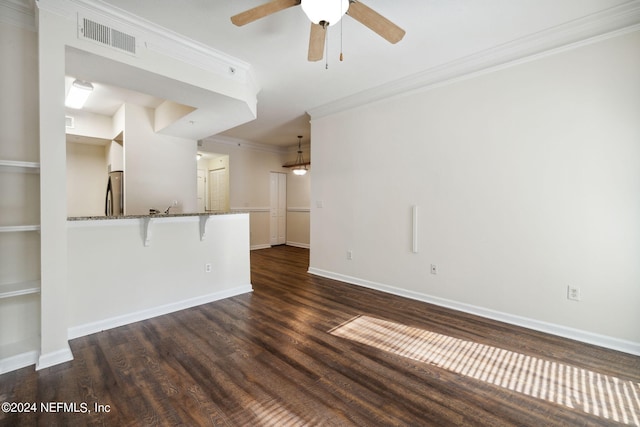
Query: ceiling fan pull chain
[(341, 57), (326, 47)]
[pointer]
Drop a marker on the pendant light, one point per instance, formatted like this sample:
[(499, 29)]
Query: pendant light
[(301, 167)]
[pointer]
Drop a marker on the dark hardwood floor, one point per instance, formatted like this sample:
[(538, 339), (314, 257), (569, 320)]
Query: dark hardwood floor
[(266, 358)]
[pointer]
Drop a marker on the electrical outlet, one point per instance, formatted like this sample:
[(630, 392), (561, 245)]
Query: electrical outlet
[(349, 255), (573, 293), (207, 268), (434, 269)]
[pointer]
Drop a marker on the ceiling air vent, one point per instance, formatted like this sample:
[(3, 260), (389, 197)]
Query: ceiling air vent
[(108, 36), (68, 121)]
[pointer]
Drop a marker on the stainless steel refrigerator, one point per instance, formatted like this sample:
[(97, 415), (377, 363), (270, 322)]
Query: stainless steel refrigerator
[(114, 200)]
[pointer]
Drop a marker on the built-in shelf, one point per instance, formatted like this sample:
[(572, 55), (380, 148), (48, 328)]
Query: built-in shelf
[(16, 228), (22, 288), (19, 166)]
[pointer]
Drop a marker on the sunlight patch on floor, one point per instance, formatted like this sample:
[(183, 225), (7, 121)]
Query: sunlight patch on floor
[(274, 414), (592, 392)]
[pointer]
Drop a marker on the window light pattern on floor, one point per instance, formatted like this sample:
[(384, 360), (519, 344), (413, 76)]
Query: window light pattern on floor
[(594, 393), (272, 414)]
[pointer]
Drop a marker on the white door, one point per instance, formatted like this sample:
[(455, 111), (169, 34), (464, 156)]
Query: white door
[(201, 189), (282, 208), (278, 208), (218, 190)]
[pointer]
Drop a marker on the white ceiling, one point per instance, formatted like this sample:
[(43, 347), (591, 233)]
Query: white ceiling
[(106, 99), (437, 32)]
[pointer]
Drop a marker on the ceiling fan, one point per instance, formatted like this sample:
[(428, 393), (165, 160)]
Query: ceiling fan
[(324, 13)]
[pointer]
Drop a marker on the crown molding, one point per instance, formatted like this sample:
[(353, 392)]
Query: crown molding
[(19, 13), (250, 145), (156, 38), (244, 144), (592, 28)]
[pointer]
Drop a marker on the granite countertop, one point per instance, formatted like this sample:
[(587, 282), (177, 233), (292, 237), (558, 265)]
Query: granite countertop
[(160, 215)]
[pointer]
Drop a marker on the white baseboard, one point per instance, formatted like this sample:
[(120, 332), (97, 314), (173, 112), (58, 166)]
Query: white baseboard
[(18, 361), (125, 319), (537, 325), (299, 245), (53, 358), (20, 354), (255, 247)]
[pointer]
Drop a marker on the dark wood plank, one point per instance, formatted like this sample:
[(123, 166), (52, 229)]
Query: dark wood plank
[(266, 358)]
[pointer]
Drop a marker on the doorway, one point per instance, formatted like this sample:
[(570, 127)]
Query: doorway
[(278, 208), (213, 182), (218, 192), (202, 190)]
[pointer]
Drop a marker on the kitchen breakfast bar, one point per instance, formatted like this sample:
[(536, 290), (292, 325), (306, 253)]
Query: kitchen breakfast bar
[(130, 268)]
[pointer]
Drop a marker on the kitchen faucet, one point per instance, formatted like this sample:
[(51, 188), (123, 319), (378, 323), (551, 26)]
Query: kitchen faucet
[(174, 203)]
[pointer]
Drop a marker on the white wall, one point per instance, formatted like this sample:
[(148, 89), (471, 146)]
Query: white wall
[(90, 124), (115, 156), (249, 169), (18, 86), (158, 168), (86, 179), (52, 33), (168, 113), (120, 280), (298, 209), (527, 180)]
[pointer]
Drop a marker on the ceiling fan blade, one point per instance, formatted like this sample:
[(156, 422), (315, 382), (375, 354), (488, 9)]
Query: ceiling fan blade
[(316, 42), (263, 10), (375, 22)]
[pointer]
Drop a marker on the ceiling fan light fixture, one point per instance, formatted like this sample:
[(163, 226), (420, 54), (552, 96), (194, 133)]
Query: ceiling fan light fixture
[(329, 11)]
